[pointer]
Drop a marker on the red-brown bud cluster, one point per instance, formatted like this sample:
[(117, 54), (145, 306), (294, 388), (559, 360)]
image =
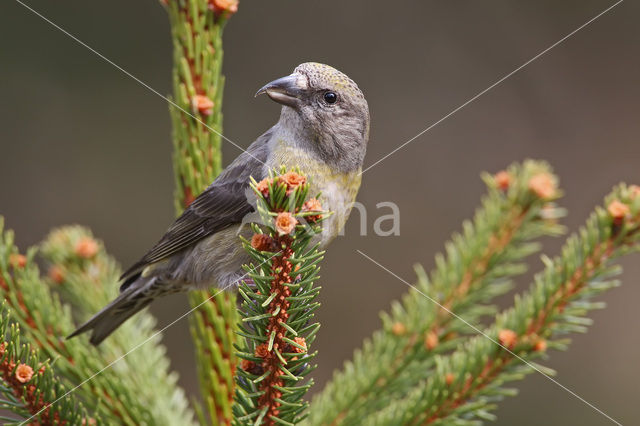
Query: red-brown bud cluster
[(618, 211), (223, 6), (540, 345), (507, 338), (86, 247), (312, 205), (281, 269), (431, 341), (398, 329), (502, 180), (285, 223), (18, 376), (291, 180), (543, 185), (449, 378), (24, 373), (263, 242), (262, 351), (18, 261), (202, 104), (56, 273), (302, 342)]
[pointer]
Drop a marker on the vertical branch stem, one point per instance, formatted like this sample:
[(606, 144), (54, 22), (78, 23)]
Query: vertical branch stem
[(197, 27), (277, 310)]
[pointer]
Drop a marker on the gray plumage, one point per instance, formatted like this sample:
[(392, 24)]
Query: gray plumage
[(201, 249)]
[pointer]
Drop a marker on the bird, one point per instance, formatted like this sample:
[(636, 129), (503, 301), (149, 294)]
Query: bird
[(323, 130)]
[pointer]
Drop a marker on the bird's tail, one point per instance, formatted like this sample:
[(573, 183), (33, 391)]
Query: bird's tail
[(133, 299)]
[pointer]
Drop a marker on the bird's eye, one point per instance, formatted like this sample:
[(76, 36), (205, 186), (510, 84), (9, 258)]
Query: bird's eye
[(330, 97)]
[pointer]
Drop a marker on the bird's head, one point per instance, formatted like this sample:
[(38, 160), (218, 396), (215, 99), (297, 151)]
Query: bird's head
[(326, 109)]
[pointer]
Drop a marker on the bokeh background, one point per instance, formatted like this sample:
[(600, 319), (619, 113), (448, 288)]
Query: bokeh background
[(82, 143)]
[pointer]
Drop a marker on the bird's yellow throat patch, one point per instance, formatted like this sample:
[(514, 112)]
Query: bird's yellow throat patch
[(338, 189)]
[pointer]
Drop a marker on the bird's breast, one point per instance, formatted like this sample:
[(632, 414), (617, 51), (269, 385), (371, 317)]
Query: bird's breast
[(338, 190)]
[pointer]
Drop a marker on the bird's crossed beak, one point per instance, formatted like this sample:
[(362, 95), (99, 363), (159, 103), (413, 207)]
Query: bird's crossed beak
[(286, 90)]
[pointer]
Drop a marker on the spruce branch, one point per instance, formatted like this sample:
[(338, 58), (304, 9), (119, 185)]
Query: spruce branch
[(423, 367), (278, 304), (197, 27), (119, 394), (28, 385), (466, 384), (478, 266), (85, 276)]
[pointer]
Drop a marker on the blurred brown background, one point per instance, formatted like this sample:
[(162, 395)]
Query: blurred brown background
[(83, 143)]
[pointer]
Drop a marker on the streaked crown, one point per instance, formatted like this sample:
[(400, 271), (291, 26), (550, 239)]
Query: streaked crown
[(321, 76)]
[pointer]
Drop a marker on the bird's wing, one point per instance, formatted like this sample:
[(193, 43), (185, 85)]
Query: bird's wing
[(222, 204)]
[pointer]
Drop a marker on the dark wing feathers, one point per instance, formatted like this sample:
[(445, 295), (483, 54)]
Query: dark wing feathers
[(222, 204)]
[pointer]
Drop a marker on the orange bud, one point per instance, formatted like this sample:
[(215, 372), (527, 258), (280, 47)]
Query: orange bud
[(398, 329), (449, 378), (618, 210), (312, 205), (285, 223), (302, 342), (17, 260), (262, 351), (263, 186), (543, 185), (540, 345), (56, 274), (293, 180), (507, 338), (502, 180), (203, 104), (431, 341), (24, 373), (220, 6), (86, 247), (262, 242)]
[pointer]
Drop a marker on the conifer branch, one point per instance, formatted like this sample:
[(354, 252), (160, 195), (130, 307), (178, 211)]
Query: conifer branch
[(478, 266), (198, 82), (86, 276), (122, 394), (278, 304), (467, 383), (28, 386), (423, 367)]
